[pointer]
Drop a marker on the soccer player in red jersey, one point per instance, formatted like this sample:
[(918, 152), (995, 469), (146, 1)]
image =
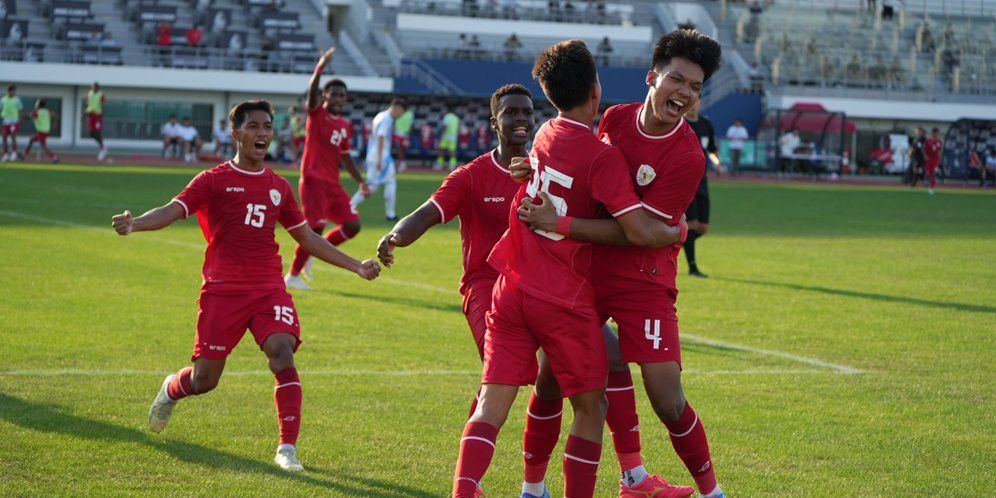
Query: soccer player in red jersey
[(636, 286), (238, 205), (326, 143), (932, 152), (586, 178), (95, 102)]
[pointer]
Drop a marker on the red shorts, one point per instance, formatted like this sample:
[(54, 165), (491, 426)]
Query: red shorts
[(10, 129), (648, 323), (297, 142), (323, 201), (42, 138), (96, 122), (931, 166), (224, 317), (571, 338), (476, 304), (400, 141)]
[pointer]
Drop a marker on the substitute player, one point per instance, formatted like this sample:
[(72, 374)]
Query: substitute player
[(239, 204), (932, 148), (43, 126), (380, 164), (95, 101), (697, 213), (448, 139), (479, 193), (636, 286), (298, 126), (585, 177), (11, 108), (326, 144), (402, 132)]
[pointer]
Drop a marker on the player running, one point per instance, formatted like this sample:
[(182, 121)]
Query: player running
[(43, 126), (697, 213), (479, 193), (238, 205), (10, 113), (95, 101), (636, 286), (380, 164), (584, 177), (326, 144), (932, 148)]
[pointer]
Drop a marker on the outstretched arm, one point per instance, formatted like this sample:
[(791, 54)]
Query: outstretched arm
[(407, 231), (320, 248), (314, 87), (634, 228), (158, 218)]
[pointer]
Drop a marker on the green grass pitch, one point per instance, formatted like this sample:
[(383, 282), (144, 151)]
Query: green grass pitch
[(843, 346)]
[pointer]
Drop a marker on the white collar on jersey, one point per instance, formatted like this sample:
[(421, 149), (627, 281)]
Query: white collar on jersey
[(494, 161), (246, 172), (681, 121), (574, 122)]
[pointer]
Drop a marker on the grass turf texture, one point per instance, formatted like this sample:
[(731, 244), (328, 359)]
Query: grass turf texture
[(889, 281)]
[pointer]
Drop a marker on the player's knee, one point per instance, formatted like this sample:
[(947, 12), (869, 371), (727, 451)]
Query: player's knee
[(204, 380), (280, 356), (669, 407), (351, 227), (590, 406), (702, 228)]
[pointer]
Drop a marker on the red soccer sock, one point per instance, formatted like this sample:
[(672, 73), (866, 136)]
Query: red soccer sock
[(477, 447), (581, 467), (689, 440), (473, 404), (287, 397), (543, 417), (338, 235), (622, 419), (179, 387)]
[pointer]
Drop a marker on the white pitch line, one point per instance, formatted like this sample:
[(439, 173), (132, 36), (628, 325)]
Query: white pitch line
[(843, 369), (371, 373)]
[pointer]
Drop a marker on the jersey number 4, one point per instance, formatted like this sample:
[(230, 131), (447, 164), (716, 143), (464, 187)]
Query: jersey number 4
[(255, 215), (541, 183), (652, 329)]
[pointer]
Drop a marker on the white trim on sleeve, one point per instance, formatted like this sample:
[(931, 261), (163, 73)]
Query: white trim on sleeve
[(442, 214), (658, 212), (626, 210), (299, 225), (186, 210)]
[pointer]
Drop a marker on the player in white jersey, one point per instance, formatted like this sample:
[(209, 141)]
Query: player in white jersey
[(380, 164)]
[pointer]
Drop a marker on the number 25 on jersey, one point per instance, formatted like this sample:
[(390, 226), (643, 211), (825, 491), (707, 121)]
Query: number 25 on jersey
[(541, 183)]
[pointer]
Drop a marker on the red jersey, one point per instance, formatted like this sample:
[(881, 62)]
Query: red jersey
[(583, 178), (326, 140), (480, 193), (667, 170), (238, 211), (932, 149)]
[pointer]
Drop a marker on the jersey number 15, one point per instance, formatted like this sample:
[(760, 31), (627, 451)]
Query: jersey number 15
[(255, 215)]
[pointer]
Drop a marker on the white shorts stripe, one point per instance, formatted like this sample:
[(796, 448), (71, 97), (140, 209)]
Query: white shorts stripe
[(287, 384), (658, 212), (614, 389), (625, 210), (475, 438), (186, 211), (561, 412), (582, 460), (683, 434), (442, 215)]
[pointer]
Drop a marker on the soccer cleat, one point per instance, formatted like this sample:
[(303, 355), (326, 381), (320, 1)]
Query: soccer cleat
[(286, 458), (307, 269), (102, 154), (716, 493), (546, 494), (162, 407), (696, 273), (56, 160), (392, 218), (296, 282), (654, 486)]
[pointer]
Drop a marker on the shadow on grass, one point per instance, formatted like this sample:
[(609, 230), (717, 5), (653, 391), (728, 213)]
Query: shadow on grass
[(975, 308), (56, 419), (404, 301)]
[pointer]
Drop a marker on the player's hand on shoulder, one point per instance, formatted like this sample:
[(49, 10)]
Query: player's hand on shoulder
[(520, 169), (542, 216), (368, 270), (122, 223), (385, 249)]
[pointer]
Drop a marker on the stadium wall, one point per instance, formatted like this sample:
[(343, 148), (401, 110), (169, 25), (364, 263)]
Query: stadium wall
[(886, 109), (217, 89)]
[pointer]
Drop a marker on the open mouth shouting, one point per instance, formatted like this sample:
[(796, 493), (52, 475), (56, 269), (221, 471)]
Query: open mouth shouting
[(259, 147), (677, 105)]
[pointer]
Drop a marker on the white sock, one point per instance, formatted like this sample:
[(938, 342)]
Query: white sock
[(634, 476), (534, 488), (390, 197), (714, 493), (357, 199)]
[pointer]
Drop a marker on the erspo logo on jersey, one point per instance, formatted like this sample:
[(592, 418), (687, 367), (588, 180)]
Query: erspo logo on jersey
[(494, 199)]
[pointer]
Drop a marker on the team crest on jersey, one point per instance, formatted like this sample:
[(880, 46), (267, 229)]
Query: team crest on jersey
[(645, 175), (275, 196)]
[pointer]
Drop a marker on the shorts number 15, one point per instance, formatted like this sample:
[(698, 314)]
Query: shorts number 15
[(541, 183)]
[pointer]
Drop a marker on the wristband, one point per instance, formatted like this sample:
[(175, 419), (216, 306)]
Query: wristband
[(684, 233), (564, 225)]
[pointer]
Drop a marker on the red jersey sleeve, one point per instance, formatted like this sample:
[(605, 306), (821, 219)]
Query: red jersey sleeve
[(669, 199), (610, 184), (290, 214), (196, 196), (453, 194)]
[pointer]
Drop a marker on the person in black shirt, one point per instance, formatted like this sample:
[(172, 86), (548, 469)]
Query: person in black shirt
[(697, 214), (916, 157)]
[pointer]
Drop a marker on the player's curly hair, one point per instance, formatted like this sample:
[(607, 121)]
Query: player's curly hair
[(566, 72), (691, 45), (332, 83), (241, 111), (509, 89)]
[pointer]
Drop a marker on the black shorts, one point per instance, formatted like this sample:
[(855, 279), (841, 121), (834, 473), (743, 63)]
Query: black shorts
[(699, 208)]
